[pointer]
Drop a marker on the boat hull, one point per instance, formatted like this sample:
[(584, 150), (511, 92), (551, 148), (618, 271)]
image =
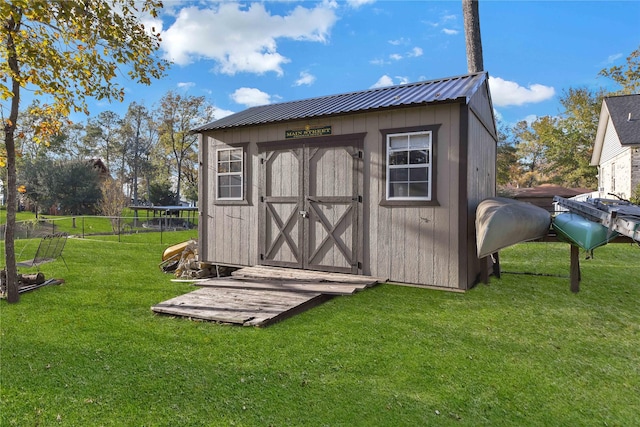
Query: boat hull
[(174, 250), (581, 232), (503, 222)]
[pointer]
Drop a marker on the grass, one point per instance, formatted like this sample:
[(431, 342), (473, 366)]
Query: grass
[(89, 225), (522, 350)]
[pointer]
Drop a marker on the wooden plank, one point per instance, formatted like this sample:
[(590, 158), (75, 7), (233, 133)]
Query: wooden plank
[(298, 308), (303, 275), (575, 269), (236, 306), (331, 288)]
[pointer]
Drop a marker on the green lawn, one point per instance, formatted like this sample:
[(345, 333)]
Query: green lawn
[(88, 225), (522, 350)]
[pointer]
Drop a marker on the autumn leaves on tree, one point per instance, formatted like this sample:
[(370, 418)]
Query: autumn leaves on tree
[(65, 52)]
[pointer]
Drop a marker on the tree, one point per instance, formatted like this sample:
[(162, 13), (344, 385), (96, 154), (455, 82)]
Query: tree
[(66, 51), (558, 149), (75, 186), (139, 134), (33, 176), (530, 151), (569, 142), (113, 201), (104, 130), (177, 115), (472, 35), (190, 174), (160, 194), (27, 144), (506, 158), (627, 77)]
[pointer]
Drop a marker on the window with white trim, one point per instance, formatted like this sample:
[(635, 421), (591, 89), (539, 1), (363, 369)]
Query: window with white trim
[(409, 166), (230, 174)]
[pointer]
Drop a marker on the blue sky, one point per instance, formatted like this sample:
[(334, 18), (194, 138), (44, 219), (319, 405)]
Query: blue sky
[(239, 55)]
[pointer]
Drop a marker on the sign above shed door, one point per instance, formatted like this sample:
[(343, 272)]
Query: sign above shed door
[(311, 207)]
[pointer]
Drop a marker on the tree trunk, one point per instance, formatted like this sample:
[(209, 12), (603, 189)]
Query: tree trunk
[(472, 35), (13, 295)]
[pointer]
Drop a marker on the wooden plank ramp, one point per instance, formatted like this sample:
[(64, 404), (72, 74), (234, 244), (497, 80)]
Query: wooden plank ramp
[(260, 296), (264, 272)]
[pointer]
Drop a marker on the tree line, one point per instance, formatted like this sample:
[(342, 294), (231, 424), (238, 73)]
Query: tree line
[(150, 154), (557, 149)]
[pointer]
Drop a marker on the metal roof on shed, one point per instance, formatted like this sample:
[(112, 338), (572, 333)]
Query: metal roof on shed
[(450, 89)]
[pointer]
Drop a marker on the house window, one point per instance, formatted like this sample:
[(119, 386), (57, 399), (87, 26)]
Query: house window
[(409, 166), (230, 174)]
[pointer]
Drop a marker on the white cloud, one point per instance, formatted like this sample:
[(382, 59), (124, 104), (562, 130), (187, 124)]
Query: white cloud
[(445, 19), (305, 79), (613, 58), (357, 3), (243, 38), (186, 85), (377, 62), (250, 97), (383, 82), (219, 113), (398, 42), (505, 93), (450, 31), (415, 52)]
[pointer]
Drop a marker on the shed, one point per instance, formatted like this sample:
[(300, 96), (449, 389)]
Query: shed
[(382, 182), (616, 150)]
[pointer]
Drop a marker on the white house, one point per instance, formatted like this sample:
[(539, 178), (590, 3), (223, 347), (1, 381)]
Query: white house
[(617, 146)]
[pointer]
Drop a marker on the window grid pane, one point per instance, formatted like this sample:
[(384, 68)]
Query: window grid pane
[(229, 174), (409, 166)]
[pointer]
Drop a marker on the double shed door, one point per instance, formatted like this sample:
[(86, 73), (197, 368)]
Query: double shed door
[(311, 205)]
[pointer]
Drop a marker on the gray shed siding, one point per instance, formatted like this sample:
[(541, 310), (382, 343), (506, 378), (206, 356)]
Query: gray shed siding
[(423, 245), (481, 183), (417, 245)]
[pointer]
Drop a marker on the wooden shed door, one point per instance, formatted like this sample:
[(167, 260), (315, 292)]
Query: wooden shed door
[(311, 207)]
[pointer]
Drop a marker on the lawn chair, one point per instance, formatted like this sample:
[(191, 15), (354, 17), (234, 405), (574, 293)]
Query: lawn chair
[(49, 249)]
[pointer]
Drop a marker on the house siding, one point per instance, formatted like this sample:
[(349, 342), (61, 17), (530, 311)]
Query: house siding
[(611, 147), (618, 168), (635, 170)]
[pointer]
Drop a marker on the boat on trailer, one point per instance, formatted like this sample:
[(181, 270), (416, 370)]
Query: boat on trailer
[(619, 216), (581, 232), (502, 222)]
